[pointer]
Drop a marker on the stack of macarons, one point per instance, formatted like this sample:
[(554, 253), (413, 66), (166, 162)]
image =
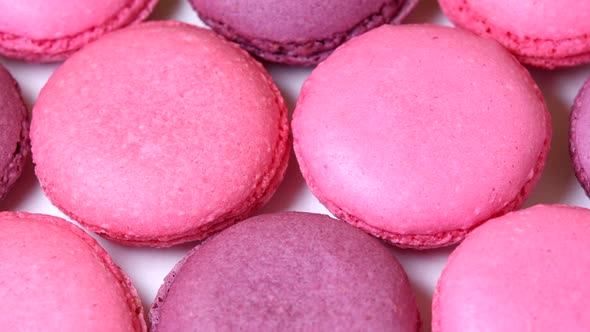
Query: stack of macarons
[(417, 136)]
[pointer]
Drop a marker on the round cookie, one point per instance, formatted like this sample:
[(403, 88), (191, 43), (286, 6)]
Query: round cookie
[(542, 33), (287, 272), (298, 32), (14, 132), (525, 271), (420, 150), (579, 140), (155, 144), (40, 30), (55, 277)]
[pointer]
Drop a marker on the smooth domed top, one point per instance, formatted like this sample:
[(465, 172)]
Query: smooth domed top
[(287, 271), (525, 271)]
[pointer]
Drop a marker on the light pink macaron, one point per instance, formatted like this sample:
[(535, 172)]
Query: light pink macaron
[(157, 143), (525, 271), (419, 146), (40, 30), (543, 33), (55, 277)]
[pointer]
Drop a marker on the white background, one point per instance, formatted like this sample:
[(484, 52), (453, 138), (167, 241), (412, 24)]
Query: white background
[(147, 267)]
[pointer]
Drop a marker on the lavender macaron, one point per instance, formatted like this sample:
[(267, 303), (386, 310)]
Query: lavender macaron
[(14, 132), (287, 272), (297, 32), (580, 136)]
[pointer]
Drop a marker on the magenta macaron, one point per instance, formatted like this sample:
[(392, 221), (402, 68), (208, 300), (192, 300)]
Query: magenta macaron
[(14, 132), (39, 30), (543, 33), (579, 140), (158, 143), (287, 272), (297, 32), (421, 149), (525, 271), (55, 277)]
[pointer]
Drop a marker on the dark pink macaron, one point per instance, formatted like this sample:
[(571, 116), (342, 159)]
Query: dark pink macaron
[(287, 272), (14, 132), (580, 136), (297, 32)]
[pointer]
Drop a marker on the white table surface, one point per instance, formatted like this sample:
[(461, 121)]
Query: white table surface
[(147, 267)]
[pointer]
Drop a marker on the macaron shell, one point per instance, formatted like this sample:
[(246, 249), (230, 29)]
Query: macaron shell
[(420, 150), (188, 138), (55, 277), (545, 33), (14, 132), (287, 271), (579, 140), (524, 271), (302, 32), (38, 30)]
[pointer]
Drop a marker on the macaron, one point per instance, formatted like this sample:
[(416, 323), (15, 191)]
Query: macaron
[(155, 144), (544, 33), (14, 132), (297, 32), (420, 150), (579, 139), (287, 272), (525, 271), (55, 277), (43, 31)]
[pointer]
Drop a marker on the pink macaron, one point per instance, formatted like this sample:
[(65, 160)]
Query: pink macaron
[(525, 271), (39, 30), (14, 132), (287, 272), (154, 144), (543, 33), (55, 277), (579, 140), (300, 32), (420, 150)]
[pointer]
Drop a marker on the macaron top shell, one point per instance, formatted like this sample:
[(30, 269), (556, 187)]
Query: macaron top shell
[(287, 272), (160, 143), (42, 30), (422, 149), (580, 136), (298, 32), (525, 271), (14, 131), (546, 33), (292, 21), (55, 277)]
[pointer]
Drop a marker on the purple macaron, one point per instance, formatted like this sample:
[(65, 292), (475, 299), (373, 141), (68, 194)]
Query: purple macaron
[(14, 132), (297, 32), (287, 272), (580, 136)]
